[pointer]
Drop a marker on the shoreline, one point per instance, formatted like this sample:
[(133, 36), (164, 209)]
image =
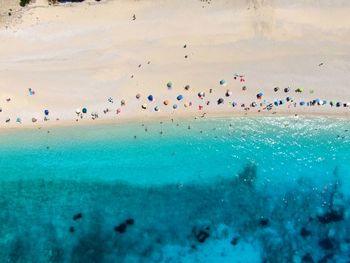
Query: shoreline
[(178, 117), (81, 55)]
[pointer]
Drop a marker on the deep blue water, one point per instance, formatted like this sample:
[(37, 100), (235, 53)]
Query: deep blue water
[(218, 190)]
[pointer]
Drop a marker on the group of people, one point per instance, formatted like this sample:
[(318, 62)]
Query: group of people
[(186, 100)]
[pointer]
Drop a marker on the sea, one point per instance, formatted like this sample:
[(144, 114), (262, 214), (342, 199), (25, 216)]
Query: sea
[(241, 189)]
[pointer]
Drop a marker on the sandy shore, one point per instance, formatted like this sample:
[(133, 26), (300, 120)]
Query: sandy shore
[(79, 55)]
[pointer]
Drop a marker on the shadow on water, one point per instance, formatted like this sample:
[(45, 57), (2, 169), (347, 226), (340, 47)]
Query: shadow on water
[(68, 221)]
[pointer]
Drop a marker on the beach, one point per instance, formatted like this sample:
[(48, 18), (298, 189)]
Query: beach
[(78, 55), (145, 131)]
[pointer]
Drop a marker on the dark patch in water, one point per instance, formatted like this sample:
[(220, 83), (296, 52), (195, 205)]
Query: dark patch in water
[(91, 247), (130, 221), (307, 258), (331, 217), (18, 250), (264, 222), (234, 241), (77, 216), (248, 175), (326, 243), (201, 236), (304, 232), (121, 228), (165, 217)]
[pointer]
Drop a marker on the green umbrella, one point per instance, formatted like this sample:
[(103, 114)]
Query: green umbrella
[(222, 82)]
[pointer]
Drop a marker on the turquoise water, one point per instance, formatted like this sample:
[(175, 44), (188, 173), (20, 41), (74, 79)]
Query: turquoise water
[(217, 190)]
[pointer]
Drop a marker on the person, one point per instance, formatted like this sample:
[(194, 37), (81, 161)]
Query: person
[(134, 17)]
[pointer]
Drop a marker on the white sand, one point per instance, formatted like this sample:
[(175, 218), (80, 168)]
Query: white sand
[(76, 55)]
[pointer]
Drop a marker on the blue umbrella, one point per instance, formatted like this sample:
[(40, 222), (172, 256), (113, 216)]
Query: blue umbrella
[(180, 97), (46, 112), (150, 98), (259, 95)]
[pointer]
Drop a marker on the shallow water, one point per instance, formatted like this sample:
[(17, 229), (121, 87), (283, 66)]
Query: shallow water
[(219, 190)]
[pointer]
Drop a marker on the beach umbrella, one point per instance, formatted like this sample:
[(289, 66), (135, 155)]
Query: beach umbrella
[(150, 98), (302, 103), (254, 104), (187, 87), (31, 91), (180, 97), (78, 111), (276, 89), (259, 95), (276, 103), (220, 101), (84, 110), (338, 104), (34, 120), (46, 112), (286, 90), (144, 106), (228, 93), (186, 104), (156, 108), (222, 82), (169, 85), (289, 99), (122, 102), (201, 94), (166, 102), (138, 96), (19, 120), (234, 104), (175, 106), (244, 88)]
